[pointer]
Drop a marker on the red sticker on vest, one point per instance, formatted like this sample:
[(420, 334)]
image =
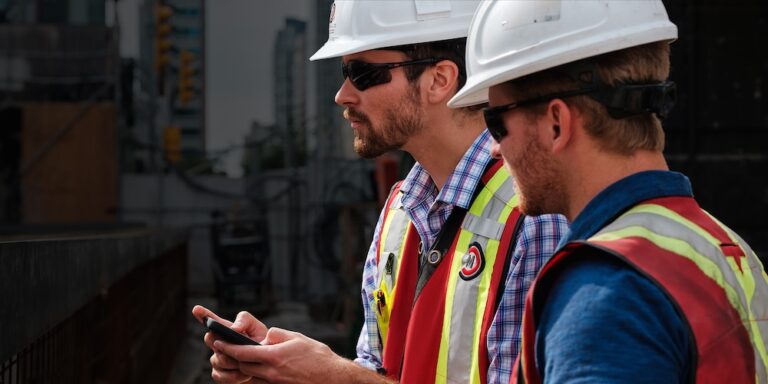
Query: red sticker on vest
[(472, 263)]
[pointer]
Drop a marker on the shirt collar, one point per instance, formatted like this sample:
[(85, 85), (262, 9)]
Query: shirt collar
[(622, 195), (457, 191)]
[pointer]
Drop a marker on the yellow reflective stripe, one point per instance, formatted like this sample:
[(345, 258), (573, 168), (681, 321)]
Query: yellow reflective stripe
[(491, 251), (478, 205), (498, 179), (381, 320), (442, 357), (670, 214), (749, 290), (746, 283), (389, 292), (480, 202), (391, 215), (682, 248), (477, 208), (757, 336), (514, 202), (744, 277)]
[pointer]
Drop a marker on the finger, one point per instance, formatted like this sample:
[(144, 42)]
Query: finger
[(278, 335), (209, 339), (223, 362), (201, 313), (261, 373), (251, 326), (229, 377)]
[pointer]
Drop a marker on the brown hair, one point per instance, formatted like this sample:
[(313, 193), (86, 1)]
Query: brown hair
[(647, 63), (453, 50)]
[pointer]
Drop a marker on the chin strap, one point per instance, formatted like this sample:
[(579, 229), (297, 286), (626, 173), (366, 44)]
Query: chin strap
[(624, 100)]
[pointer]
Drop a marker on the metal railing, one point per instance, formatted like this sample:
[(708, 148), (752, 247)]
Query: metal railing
[(98, 309)]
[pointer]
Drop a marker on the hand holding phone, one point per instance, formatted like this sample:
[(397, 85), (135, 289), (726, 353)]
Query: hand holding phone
[(228, 334)]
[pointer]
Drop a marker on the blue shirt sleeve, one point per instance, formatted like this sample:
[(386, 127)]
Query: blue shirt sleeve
[(604, 322)]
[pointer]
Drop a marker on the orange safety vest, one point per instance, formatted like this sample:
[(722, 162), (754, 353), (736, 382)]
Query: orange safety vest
[(712, 276), (440, 335)]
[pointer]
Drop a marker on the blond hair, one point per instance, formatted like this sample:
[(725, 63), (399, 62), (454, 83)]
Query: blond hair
[(647, 63)]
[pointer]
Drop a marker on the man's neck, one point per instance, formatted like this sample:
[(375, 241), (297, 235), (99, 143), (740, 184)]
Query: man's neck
[(442, 144), (603, 170)]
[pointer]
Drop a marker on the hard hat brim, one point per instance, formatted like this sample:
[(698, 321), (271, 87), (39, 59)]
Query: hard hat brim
[(475, 91), (334, 49)]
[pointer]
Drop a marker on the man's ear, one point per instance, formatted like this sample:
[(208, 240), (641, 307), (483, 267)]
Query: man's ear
[(560, 119), (442, 82)]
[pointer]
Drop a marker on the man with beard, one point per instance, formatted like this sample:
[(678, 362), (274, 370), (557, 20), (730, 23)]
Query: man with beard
[(451, 259), (646, 287)]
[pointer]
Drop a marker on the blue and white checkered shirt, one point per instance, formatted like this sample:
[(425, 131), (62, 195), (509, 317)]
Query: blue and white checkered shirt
[(428, 209)]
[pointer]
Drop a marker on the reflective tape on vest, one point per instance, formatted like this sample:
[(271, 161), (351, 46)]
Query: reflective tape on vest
[(708, 272), (469, 284), (463, 315), (728, 262)]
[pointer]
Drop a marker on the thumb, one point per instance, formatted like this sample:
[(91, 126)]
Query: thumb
[(277, 336), (251, 326)]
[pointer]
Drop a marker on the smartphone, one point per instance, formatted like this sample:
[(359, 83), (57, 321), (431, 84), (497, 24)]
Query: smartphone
[(227, 334)]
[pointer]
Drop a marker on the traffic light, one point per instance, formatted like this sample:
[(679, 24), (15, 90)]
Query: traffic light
[(172, 144), (163, 30), (186, 74)]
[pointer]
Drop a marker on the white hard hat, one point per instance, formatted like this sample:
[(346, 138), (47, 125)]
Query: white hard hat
[(357, 26), (513, 38)]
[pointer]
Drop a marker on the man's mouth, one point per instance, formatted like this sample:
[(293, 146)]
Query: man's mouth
[(356, 119)]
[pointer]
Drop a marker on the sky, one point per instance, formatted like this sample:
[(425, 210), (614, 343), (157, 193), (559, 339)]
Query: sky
[(239, 43)]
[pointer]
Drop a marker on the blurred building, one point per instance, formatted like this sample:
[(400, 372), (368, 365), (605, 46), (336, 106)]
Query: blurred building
[(187, 110), (76, 282), (169, 88), (73, 12), (58, 78), (290, 89), (333, 137)]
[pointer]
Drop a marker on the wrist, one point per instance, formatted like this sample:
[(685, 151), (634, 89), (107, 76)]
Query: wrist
[(351, 372)]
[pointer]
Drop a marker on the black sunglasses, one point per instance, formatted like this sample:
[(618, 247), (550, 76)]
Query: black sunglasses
[(365, 75), (495, 121)]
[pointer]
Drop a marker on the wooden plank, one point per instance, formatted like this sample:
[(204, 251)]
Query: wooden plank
[(76, 181)]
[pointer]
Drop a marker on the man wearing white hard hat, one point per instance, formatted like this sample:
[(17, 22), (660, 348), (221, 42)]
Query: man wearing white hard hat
[(451, 259), (647, 286)]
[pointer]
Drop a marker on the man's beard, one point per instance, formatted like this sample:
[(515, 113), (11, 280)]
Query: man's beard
[(538, 180), (398, 125)]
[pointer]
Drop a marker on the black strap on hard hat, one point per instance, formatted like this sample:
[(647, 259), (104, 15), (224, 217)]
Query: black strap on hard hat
[(624, 100)]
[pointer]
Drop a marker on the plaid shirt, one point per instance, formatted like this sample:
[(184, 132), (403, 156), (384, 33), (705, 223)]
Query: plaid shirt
[(428, 209)]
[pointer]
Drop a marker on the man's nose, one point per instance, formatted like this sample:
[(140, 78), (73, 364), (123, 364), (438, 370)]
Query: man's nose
[(496, 150), (347, 94)]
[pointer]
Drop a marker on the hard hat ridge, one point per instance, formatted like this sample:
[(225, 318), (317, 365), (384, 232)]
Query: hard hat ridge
[(511, 39), (361, 25)]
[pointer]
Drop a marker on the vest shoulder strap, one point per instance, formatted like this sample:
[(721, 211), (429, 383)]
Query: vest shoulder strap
[(393, 194), (498, 180)]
